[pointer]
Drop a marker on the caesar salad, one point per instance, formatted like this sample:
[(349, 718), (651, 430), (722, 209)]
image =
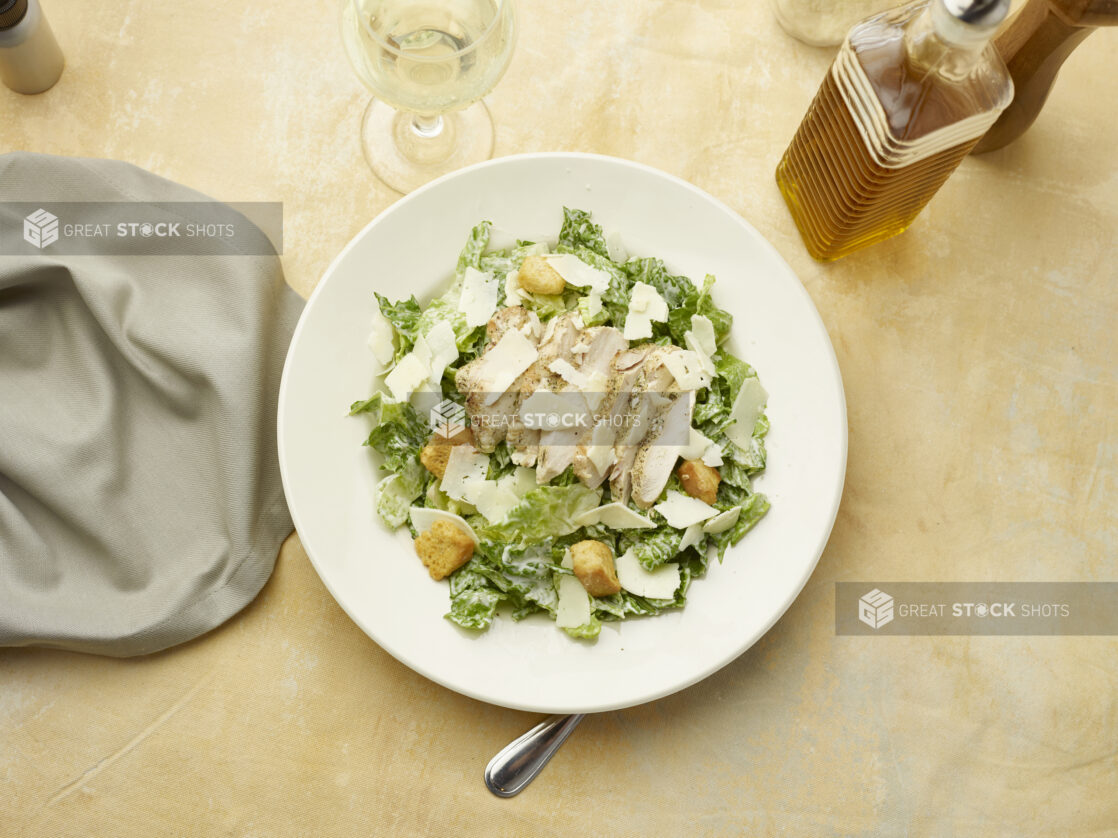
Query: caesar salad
[(563, 430)]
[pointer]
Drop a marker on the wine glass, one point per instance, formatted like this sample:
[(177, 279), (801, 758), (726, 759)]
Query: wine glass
[(428, 64)]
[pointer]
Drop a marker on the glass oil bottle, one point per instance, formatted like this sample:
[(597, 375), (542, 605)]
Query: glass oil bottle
[(909, 94)]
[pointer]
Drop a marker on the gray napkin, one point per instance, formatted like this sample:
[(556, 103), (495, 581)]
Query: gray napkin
[(140, 497)]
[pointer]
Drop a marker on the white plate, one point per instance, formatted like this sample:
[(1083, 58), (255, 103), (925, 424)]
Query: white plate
[(375, 575)]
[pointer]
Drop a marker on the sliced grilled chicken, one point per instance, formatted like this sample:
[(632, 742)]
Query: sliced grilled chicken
[(595, 348), (560, 336), (642, 418), (491, 422), (650, 396), (513, 317), (624, 371), (658, 452)]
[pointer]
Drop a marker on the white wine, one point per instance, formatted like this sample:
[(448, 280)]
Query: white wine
[(429, 57)]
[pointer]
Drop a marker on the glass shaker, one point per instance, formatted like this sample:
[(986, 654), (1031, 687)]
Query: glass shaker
[(824, 23)]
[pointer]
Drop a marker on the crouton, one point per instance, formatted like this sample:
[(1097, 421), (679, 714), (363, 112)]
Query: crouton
[(699, 480), (436, 452), (444, 548), (538, 277), (593, 565)]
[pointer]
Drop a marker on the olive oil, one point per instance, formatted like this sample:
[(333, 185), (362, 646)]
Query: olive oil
[(908, 96)]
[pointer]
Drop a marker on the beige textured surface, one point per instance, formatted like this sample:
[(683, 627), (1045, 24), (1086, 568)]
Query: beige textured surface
[(979, 356)]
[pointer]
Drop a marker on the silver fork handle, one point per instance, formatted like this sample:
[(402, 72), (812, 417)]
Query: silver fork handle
[(518, 763)]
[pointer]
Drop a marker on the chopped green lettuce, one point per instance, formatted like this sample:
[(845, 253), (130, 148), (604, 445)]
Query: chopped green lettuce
[(547, 306), (404, 315), (471, 254), (443, 309), (397, 492), (753, 509), (677, 291), (399, 433), (587, 631), (699, 301), (546, 512), (473, 599), (651, 547), (579, 231), (517, 562)]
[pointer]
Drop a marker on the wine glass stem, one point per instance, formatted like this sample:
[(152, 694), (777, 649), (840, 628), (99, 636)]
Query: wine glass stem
[(427, 126)]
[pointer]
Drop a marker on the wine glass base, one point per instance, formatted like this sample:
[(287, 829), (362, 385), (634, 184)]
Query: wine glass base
[(406, 151)]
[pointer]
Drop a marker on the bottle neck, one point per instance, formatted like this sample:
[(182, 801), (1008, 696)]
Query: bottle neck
[(938, 43)]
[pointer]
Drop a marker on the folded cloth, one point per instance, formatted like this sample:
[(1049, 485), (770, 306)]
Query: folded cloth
[(140, 496)]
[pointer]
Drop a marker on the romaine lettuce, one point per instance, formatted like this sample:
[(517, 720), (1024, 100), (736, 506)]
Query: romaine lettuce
[(579, 231), (399, 433), (473, 599), (397, 492), (546, 512), (404, 315)]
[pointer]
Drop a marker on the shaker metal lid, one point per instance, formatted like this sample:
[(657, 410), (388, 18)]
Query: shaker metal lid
[(983, 14), (12, 12)]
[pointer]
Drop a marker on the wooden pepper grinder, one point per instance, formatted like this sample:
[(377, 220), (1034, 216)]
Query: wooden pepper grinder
[(1034, 46)]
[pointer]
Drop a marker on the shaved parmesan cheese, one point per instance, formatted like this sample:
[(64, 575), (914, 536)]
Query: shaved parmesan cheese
[(616, 515), (599, 448), (513, 293), (479, 296), (660, 583), (646, 300), (443, 347), (422, 350), (704, 359), (637, 326), (713, 455), (691, 537), (520, 482), (687, 369), (700, 447), (566, 370), (597, 383), (381, 336), (723, 522), (645, 305), (574, 603), (576, 272), (472, 488), (505, 363), (681, 511), (423, 518), (492, 499), (696, 446), (747, 408), (602, 456), (701, 340), (464, 465), (411, 371), (702, 332)]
